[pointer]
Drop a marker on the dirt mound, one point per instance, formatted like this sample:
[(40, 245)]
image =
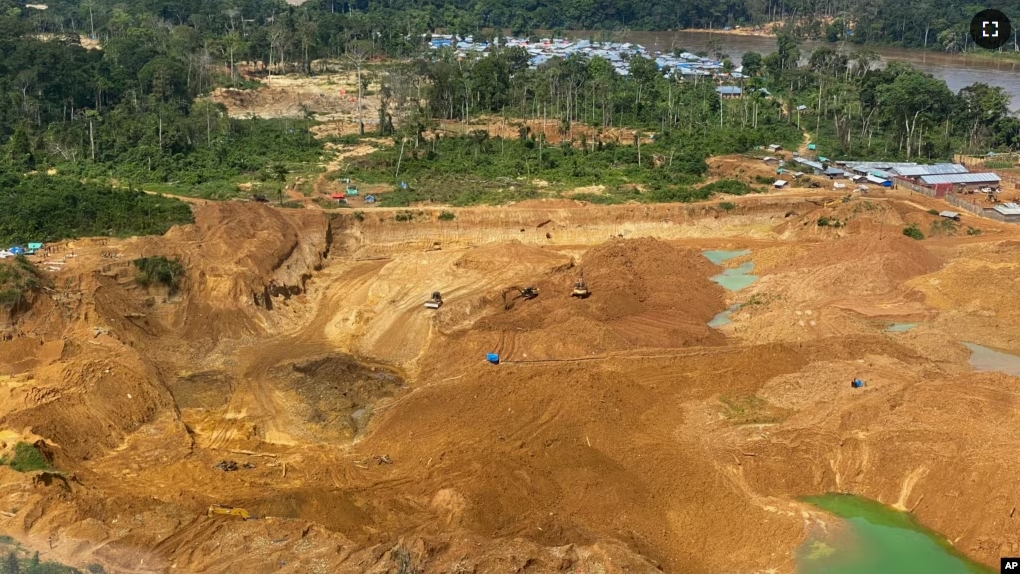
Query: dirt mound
[(851, 267), (644, 293)]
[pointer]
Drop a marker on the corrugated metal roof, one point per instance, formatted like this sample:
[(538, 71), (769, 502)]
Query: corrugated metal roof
[(728, 89), (936, 169), (875, 179), (1008, 209), (807, 162), (986, 177), (948, 214)]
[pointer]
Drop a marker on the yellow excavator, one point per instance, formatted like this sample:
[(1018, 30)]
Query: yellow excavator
[(844, 200), (224, 510), (529, 292), (580, 288)]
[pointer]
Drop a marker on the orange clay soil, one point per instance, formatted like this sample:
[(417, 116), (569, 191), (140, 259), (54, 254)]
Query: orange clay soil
[(619, 432)]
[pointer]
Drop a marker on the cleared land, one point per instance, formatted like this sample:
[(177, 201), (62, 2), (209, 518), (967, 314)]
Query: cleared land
[(620, 433)]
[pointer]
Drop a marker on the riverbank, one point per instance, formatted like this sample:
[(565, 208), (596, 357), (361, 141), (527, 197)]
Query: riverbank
[(762, 32)]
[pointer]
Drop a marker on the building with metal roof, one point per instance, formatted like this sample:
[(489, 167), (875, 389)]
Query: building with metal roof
[(731, 91), (1009, 209), (934, 169), (963, 179)]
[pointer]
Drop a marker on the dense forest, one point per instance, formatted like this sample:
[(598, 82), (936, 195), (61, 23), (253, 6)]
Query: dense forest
[(320, 27), (133, 112)]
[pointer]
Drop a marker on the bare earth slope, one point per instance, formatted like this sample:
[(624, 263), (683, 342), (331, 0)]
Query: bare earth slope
[(619, 433)]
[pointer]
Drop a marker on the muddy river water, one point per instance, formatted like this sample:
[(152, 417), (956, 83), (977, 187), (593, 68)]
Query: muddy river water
[(958, 71)]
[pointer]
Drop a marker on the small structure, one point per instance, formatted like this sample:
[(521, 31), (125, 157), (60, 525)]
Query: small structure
[(369, 199), (955, 216), (878, 180), (775, 147), (340, 197), (1010, 212), (856, 383), (728, 92), (17, 250), (492, 358), (770, 160), (352, 190), (811, 146), (801, 108), (779, 184)]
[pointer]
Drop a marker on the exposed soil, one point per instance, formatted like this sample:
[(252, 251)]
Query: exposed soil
[(618, 433)]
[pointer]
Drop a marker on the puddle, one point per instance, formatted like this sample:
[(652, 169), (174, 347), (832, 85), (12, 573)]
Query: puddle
[(719, 256), (873, 538), (985, 359), (900, 327), (723, 318), (738, 278)]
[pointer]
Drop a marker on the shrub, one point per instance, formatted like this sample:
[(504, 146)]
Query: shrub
[(158, 269), (972, 231), (933, 212), (404, 217), (446, 216), (733, 187), (359, 215), (728, 206), (912, 231), (823, 221)]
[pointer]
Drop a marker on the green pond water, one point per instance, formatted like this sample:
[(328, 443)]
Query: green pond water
[(738, 278), (901, 327), (985, 359), (719, 256), (723, 318), (874, 538)]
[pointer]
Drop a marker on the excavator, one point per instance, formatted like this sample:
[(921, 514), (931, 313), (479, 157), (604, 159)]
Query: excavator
[(529, 292), (436, 302), (580, 287), (224, 510)]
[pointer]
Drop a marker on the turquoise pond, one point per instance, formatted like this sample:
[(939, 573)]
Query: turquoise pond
[(723, 318), (901, 327), (874, 538), (738, 278), (985, 359), (719, 256)]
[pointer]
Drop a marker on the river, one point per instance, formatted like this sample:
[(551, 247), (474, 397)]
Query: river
[(958, 71)]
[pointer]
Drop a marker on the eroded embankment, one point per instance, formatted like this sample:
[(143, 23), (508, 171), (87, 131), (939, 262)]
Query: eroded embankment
[(381, 233)]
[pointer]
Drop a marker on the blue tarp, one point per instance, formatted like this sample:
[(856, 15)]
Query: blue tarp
[(17, 250), (492, 357)]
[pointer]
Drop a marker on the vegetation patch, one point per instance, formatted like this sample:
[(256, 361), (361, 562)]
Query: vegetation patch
[(16, 278), (446, 216), (751, 410), (912, 231), (733, 187), (159, 270), (41, 208), (26, 457)]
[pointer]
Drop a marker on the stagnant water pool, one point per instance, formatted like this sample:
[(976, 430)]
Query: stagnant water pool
[(874, 538)]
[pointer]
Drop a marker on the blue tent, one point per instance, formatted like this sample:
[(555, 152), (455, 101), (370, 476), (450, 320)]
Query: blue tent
[(492, 357), (17, 250), (369, 199)]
